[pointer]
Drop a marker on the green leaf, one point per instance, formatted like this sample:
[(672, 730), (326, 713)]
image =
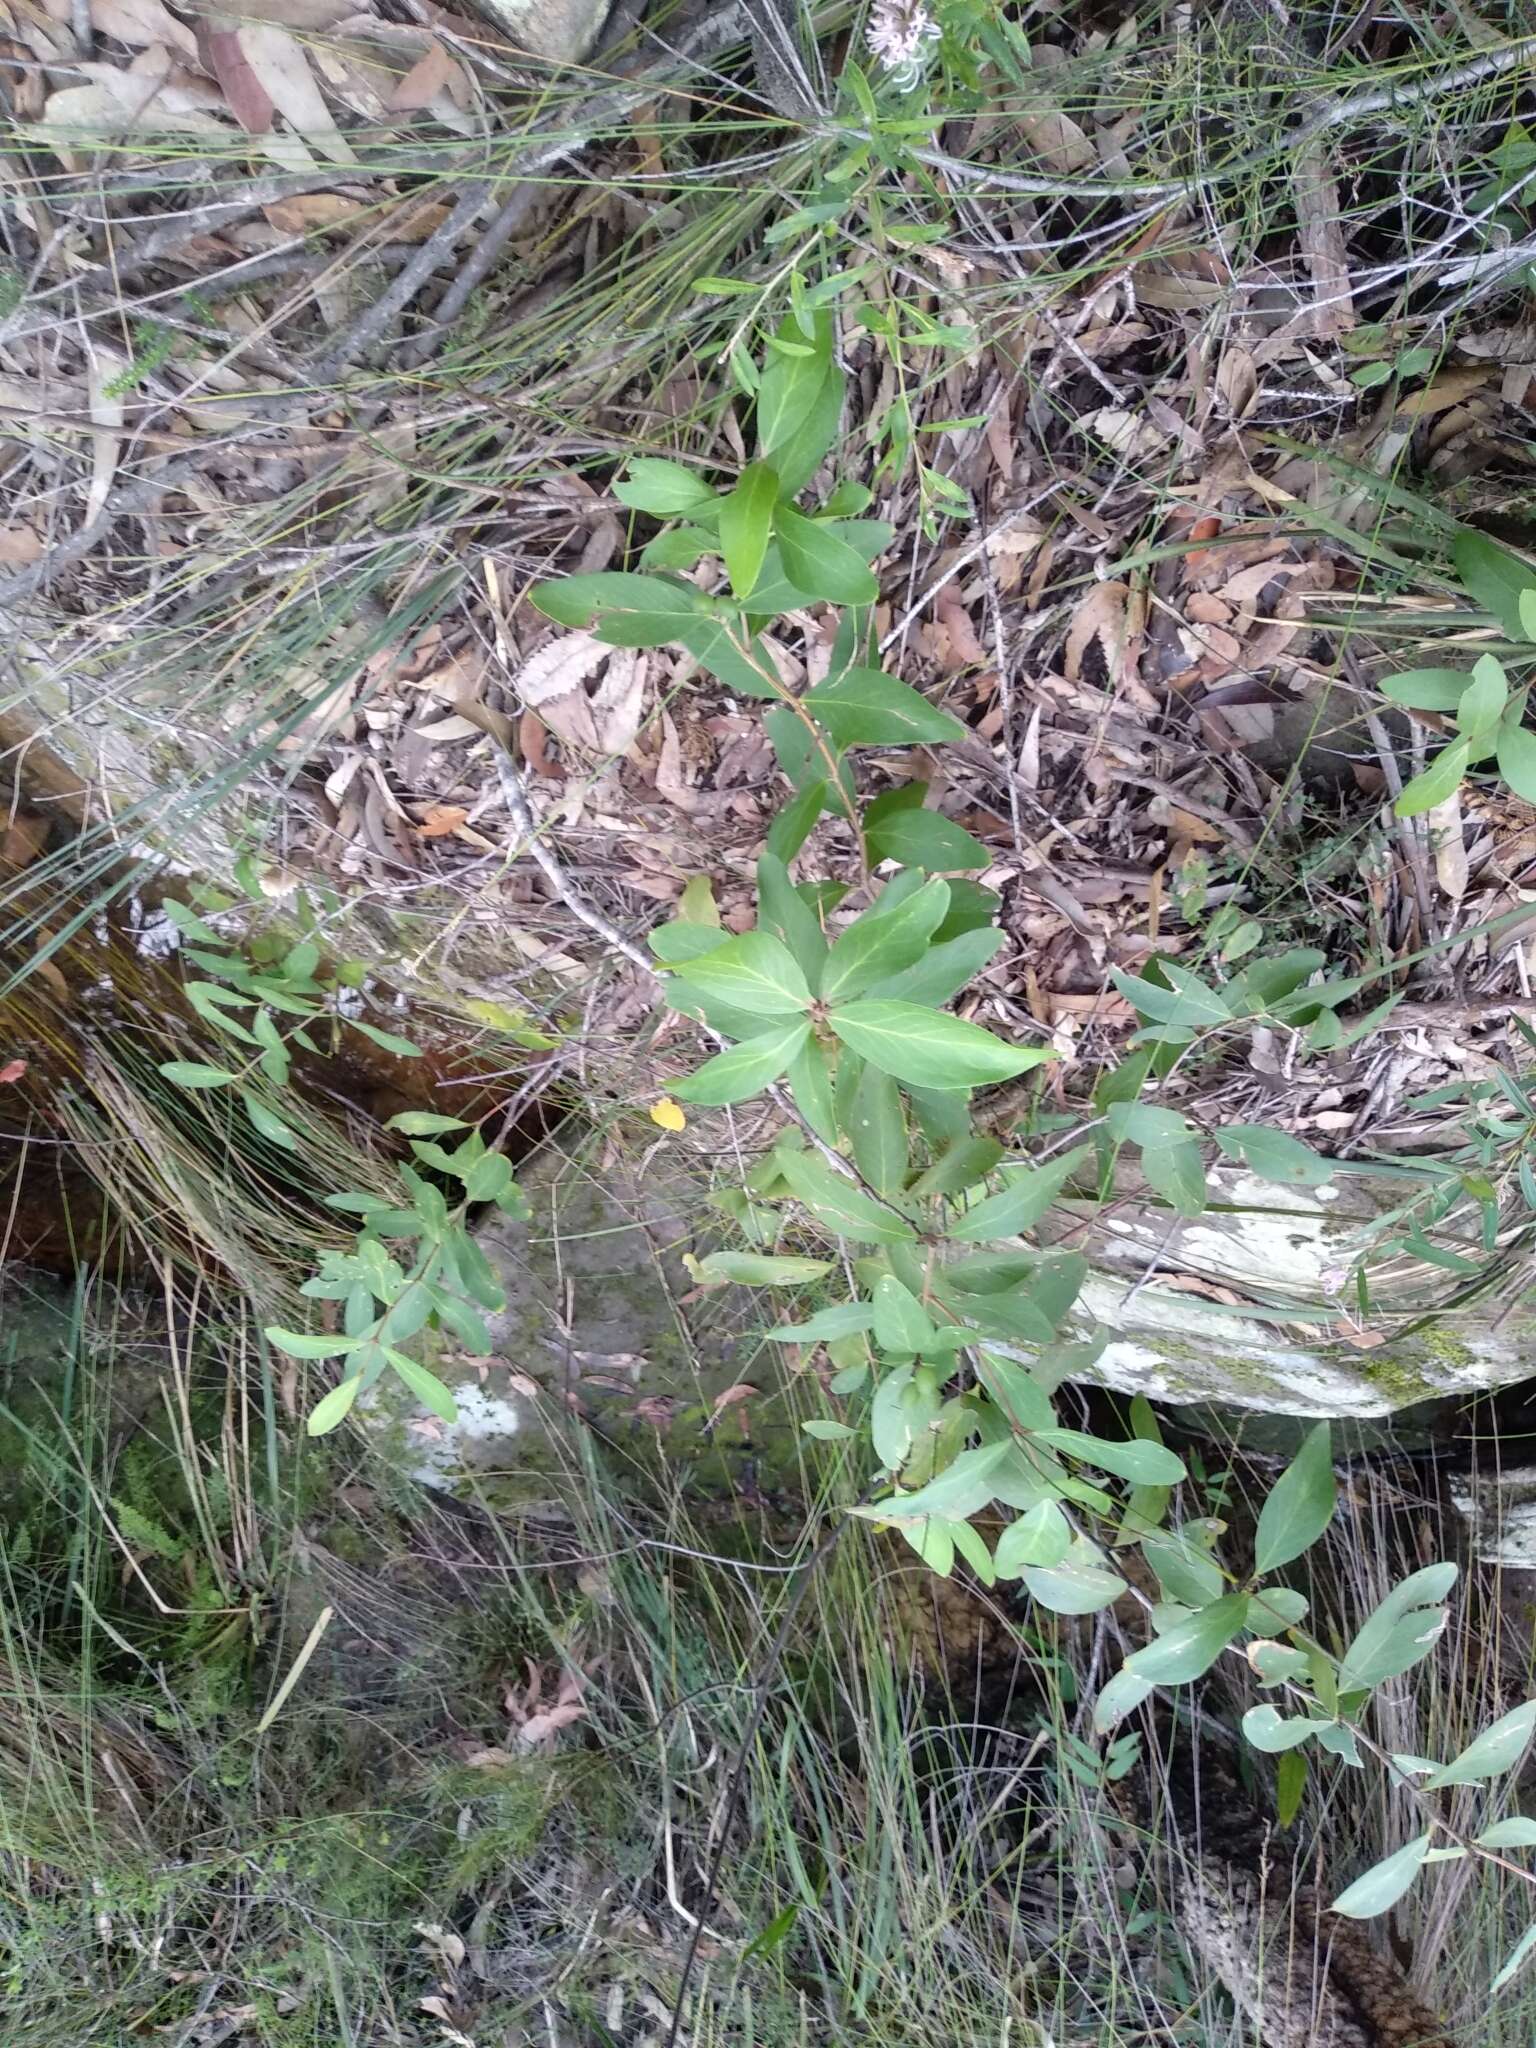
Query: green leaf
[(1427, 689), (919, 838), (1028, 1194), (488, 1178), (1290, 1786), (747, 1069), (1142, 1462), (1439, 781), (839, 1205), (728, 651), (1494, 578), (1184, 1571), (845, 1319), (903, 1406), (755, 973), (334, 1407), (1515, 1833), (1483, 704), (962, 1164), (783, 911), (762, 1269), (791, 388), (1517, 1956), (903, 1325), (1515, 752), (959, 1490), (1496, 1750), (828, 1432), (877, 1131), (1275, 1155), (267, 1124), (930, 1048), (620, 609), (276, 1062), (1081, 1585), (1400, 1630), (1188, 1003), (810, 1083), (947, 967), (1040, 1537), (663, 489), (1384, 1883), (387, 1041), (1191, 1646), (1176, 1172), (1300, 1505), (426, 1386), (882, 940), (746, 525), (864, 707), (307, 1344), (820, 565), (212, 1002), (792, 827), (424, 1123), (1119, 1696), (195, 1074), (1273, 1732)]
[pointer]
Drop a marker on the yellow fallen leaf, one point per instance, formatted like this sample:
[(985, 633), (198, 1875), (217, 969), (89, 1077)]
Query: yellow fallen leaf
[(667, 1113)]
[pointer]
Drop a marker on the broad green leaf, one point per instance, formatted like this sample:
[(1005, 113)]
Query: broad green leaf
[(334, 1407), (755, 972), (930, 1048), (424, 1123), (276, 1061), (1188, 1003), (267, 1124), (1191, 1646), (934, 1543), (761, 1269), (971, 1544), (663, 489), (905, 1402), (820, 565), (746, 525), (839, 1205), (919, 838), (963, 1164), (948, 966), (1384, 1883), (964, 1486), (1277, 1607), (1482, 705), (728, 651), (1496, 1750), (864, 707), (1515, 1833), (829, 1432), (1029, 1193), (1275, 1663), (196, 1074), (1300, 1504), (488, 1178), (1020, 1398), (1494, 578), (810, 1084), (212, 1003), (877, 1131), (683, 940), (1080, 1585), (1040, 1537), (1439, 781), (308, 1344), (1184, 1571), (902, 1324), (1403, 1628), (1515, 753), (1274, 1732), (1275, 1155), (1144, 1463), (1119, 1696), (784, 912), (882, 940), (1427, 689), (1517, 1956), (1177, 1173), (792, 827), (1290, 1786), (426, 1386), (791, 389), (845, 1319), (620, 609), (746, 1069), (388, 1041)]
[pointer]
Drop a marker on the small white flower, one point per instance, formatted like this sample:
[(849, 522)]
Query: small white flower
[(900, 33)]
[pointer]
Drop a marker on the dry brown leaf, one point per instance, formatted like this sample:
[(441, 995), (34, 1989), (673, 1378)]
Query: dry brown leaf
[(590, 694), (228, 59), (104, 374), (1447, 842), (431, 74), (20, 547), (277, 60), (1058, 142), (1448, 389), (671, 776), (1237, 381), (1101, 617), (143, 23), (115, 100), (1127, 433)]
